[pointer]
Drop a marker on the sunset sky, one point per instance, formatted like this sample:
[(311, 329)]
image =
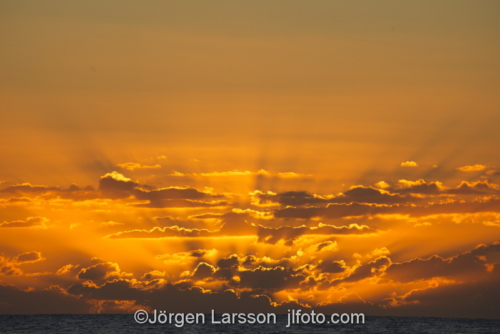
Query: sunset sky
[(250, 155)]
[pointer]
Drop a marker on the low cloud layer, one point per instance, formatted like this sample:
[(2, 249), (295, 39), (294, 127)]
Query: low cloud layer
[(132, 244)]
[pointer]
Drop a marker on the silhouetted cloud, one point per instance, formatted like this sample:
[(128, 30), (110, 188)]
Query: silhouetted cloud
[(229, 262), (358, 194), (331, 266), (289, 234), (468, 263), (372, 269), (277, 278), (473, 168), (102, 271), (133, 166), (158, 232), (161, 297), (30, 222), (29, 257), (53, 300), (203, 270), (310, 258)]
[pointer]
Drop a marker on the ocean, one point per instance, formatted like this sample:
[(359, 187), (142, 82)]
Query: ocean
[(110, 324)]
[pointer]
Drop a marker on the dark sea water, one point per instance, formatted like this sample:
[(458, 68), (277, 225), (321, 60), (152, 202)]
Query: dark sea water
[(111, 324)]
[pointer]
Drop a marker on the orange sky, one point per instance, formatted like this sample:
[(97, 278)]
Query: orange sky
[(160, 148)]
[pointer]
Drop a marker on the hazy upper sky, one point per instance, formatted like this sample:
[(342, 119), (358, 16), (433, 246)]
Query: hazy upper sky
[(238, 103), (261, 83)]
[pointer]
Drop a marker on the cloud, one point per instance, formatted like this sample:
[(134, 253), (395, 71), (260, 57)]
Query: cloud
[(231, 224), (474, 168), (191, 223), (293, 175), (133, 166), (252, 262), (67, 269), (29, 257), (464, 285), (261, 173), (357, 194), (240, 224), (437, 188), (155, 274), (409, 164), (479, 187), (158, 232), (172, 193), (52, 300), (311, 263), (175, 197), (375, 268), (382, 184), (27, 188), (102, 271), (30, 222), (185, 257), (181, 203), (161, 296), (333, 210), (116, 185), (16, 201), (361, 194), (467, 263), (422, 224), (451, 299), (420, 187), (228, 262), (294, 198), (203, 270), (332, 267), (326, 245), (10, 266), (277, 278), (289, 234), (208, 216), (230, 173)]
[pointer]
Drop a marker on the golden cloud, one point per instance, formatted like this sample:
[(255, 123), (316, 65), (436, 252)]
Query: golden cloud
[(474, 168), (133, 166)]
